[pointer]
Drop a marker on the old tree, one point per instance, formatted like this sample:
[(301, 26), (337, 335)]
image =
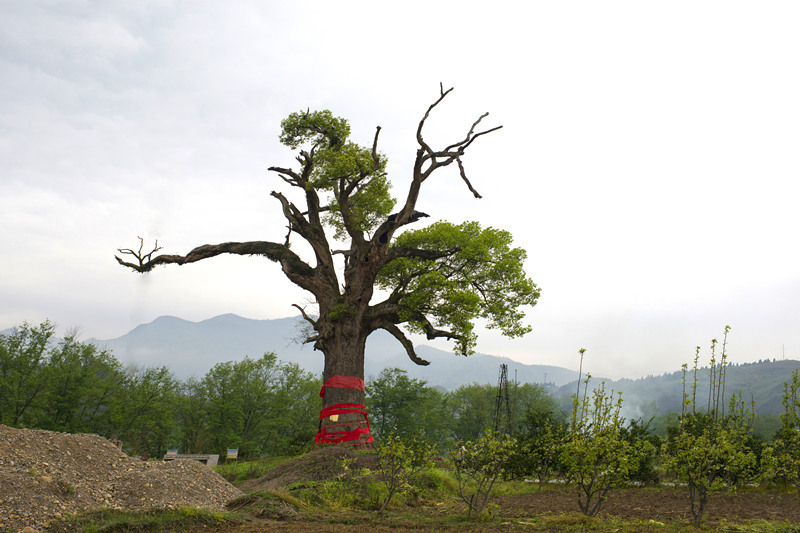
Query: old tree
[(436, 281)]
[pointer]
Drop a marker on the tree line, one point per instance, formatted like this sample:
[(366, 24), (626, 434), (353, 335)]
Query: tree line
[(260, 406)]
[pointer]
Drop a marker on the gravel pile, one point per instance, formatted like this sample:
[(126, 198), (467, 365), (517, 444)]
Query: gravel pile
[(44, 475)]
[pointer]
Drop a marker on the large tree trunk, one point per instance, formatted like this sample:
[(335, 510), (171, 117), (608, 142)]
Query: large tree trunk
[(343, 418)]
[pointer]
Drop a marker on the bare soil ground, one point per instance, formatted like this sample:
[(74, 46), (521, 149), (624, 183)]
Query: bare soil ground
[(635, 504), (660, 504), (44, 475)]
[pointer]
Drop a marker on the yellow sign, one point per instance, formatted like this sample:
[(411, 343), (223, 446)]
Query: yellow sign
[(334, 418)]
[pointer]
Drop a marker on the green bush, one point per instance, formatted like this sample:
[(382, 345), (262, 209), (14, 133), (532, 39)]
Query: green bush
[(479, 464), (596, 455)]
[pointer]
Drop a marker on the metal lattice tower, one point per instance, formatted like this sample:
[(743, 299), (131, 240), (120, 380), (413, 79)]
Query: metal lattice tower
[(502, 394)]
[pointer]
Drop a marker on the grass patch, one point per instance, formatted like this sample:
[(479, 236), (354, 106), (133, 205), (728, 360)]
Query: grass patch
[(108, 520), (236, 472)]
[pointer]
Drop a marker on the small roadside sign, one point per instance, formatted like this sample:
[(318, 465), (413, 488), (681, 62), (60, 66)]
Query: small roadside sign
[(233, 453)]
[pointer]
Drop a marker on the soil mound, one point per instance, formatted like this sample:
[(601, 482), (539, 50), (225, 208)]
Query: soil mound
[(44, 475), (328, 462)]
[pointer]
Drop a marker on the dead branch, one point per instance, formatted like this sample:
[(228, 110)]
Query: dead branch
[(407, 344), (464, 177), (142, 258)]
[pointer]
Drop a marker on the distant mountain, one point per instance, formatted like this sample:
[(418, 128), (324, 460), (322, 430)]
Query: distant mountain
[(192, 348), (652, 395)]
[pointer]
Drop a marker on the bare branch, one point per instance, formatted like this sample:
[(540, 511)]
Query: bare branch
[(464, 177), (295, 268), (142, 258), (305, 316), (398, 334), (431, 332), (419, 253), (469, 133), (295, 180), (375, 157), (442, 95), (288, 234)]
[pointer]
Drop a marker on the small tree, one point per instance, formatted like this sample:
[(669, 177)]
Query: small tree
[(479, 464), (781, 459), (708, 450), (595, 454), (539, 444), (399, 461)]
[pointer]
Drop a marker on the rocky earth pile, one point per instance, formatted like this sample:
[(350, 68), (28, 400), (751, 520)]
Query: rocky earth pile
[(44, 475)]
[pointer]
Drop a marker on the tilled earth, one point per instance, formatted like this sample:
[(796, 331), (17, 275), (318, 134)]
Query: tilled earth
[(662, 504), (44, 474)]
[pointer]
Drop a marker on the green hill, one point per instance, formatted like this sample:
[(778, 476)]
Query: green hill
[(658, 395)]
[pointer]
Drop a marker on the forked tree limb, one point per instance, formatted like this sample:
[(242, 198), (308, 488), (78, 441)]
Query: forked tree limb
[(464, 177), (295, 268), (407, 344), (431, 332)]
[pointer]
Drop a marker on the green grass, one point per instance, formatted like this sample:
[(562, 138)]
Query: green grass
[(236, 472), (108, 521), (353, 499)]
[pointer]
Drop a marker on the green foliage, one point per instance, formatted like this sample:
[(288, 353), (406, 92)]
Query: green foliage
[(471, 408), (596, 455), (257, 406), (237, 471), (406, 407), (707, 449), (781, 459), (539, 444), (82, 382), (479, 464), (23, 372), (644, 466), (400, 461), (113, 520), (144, 412), (483, 279), (341, 170)]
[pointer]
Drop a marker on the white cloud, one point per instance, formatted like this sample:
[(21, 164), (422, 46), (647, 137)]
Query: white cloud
[(646, 161)]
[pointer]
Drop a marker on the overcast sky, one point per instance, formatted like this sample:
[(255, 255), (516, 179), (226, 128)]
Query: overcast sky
[(648, 161)]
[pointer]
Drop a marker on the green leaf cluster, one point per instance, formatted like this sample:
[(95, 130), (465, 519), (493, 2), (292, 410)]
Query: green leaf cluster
[(342, 170), (406, 407), (781, 459), (260, 406), (477, 274), (595, 455), (400, 460), (479, 464), (707, 449)]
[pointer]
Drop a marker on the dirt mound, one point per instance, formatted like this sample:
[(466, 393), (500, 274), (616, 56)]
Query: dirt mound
[(328, 462), (44, 475)]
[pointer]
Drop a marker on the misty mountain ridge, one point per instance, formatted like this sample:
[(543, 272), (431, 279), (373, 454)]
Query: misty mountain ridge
[(192, 348)]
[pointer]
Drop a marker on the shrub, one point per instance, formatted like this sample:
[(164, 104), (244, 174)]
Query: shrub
[(595, 454), (479, 464), (781, 459), (399, 461), (709, 450)]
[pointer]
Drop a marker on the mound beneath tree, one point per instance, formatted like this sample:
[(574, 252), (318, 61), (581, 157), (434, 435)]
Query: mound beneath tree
[(328, 462), (44, 475)]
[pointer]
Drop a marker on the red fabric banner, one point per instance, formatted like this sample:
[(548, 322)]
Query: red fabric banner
[(363, 434), (342, 382)]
